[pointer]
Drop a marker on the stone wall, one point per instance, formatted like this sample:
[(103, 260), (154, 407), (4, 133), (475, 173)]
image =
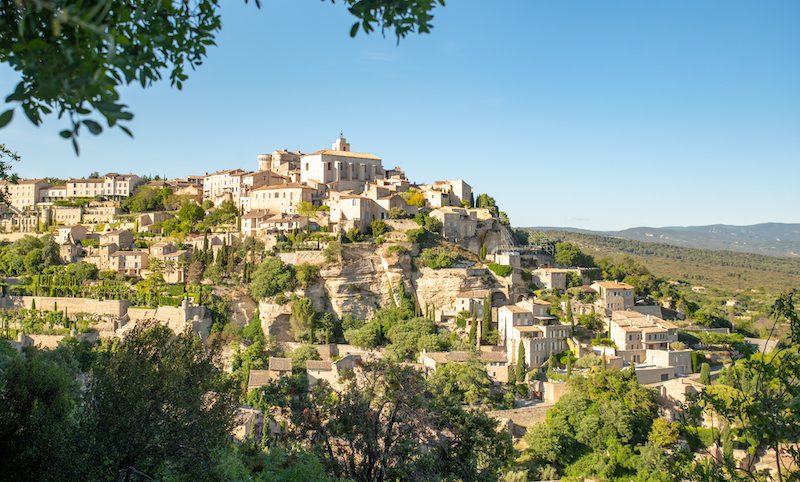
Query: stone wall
[(115, 308), (298, 257)]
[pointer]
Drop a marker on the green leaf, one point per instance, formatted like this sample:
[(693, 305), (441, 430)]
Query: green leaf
[(354, 29), (93, 126), (6, 117), (127, 131), (66, 134)]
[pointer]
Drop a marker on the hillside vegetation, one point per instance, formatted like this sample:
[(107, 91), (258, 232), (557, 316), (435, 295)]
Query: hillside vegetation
[(727, 270)]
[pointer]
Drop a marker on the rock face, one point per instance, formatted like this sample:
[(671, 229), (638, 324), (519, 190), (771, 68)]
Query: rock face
[(439, 287), (358, 285)]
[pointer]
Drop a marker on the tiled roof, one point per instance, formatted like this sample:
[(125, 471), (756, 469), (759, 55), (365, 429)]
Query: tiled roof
[(357, 155), (319, 365), (259, 378), (280, 364)]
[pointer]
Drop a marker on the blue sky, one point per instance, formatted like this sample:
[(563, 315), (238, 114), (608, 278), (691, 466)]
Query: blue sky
[(594, 114)]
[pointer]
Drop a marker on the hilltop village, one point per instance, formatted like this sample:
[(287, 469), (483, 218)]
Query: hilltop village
[(319, 262)]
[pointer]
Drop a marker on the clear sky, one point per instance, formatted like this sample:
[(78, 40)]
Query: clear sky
[(593, 114)]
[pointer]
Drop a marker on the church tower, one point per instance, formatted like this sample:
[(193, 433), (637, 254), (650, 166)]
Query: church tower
[(341, 143)]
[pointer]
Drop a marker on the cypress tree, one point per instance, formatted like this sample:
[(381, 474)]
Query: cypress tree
[(570, 317), (705, 374), (512, 375), (487, 317), (473, 329), (521, 363)]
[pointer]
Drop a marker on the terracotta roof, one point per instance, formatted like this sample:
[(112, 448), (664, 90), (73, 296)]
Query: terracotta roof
[(614, 285), (237, 172), (82, 181), (515, 309), (319, 365), (293, 185), (119, 254), (357, 155), (280, 364), (527, 328), (472, 294), (257, 214)]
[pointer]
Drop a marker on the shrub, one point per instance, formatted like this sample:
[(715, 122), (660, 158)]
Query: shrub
[(397, 213), (437, 258), (306, 274), (501, 269), (354, 235), (333, 252), (379, 227), (396, 250), (414, 235)]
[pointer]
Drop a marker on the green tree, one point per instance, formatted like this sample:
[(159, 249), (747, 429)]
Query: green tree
[(301, 355), (757, 395), (487, 317), (191, 213), (302, 319), (521, 369), (7, 157), (482, 252), (467, 382), (38, 397), (568, 254), (473, 329), (705, 374), (570, 317), (271, 277), (148, 407), (74, 60), (385, 425)]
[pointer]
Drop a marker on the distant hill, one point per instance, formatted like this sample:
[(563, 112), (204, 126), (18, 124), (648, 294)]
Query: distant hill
[(731, 270), (771, 239)]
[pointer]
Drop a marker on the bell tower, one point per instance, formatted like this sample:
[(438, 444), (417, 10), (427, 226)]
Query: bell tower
[(341, 143)]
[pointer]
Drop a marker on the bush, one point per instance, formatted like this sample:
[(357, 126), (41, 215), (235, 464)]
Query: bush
[(397, 213), (414, 235), (354, 235), (396, 250), (379, 227), (501, 269), (306, 274), (437, 258), (333, 252)]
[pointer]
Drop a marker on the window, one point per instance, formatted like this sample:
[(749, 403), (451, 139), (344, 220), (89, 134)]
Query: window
[(306, 166)]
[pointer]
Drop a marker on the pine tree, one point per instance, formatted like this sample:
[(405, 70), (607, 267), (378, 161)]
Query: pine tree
[(521, 363)]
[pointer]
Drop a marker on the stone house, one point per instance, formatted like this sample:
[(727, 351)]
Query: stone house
[(633, 333), (67, 215), (495, 361), (551, 278), (528, 323), (331, 371), (25, 193), (458, 223), (65, 234), (348, 211), (280, 198), (613, 295), (145, 221), (123, 238), (100, 212), (129, 262), (471, 301)]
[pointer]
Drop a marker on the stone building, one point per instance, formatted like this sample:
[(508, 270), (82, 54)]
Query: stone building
[(341, 168)]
